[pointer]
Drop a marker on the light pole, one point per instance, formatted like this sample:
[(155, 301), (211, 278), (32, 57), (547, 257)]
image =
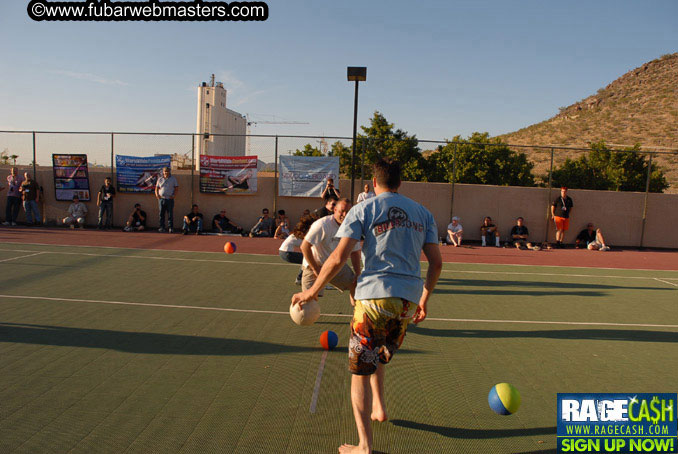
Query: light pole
[(357, 74)]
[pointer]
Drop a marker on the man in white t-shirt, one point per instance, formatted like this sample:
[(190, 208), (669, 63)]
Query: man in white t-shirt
[(454, 232), (366, 194), (319, 243)]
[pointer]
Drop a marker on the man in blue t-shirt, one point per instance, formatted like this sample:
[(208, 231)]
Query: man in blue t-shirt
[(389, 290)]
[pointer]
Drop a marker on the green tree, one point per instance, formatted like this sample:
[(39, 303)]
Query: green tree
[(479, 160), (308, 150), (603, 169)]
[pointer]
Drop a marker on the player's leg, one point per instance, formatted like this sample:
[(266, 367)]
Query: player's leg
[(377, 385), (361, 400)]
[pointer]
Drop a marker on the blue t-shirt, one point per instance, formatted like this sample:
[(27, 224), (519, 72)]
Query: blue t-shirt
[(395, 230)]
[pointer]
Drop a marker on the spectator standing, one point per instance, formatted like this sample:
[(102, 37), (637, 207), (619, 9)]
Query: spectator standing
[(519, 235), (166, 189), (264, 227), (593, 239), (30, 191), (454, 232), (13, 197), (488, 231), (136, 220), (221, 224), (288, 249), (366, 194), (105, 204), (193, 221), (561, 210), (76, 214), (330, 190)]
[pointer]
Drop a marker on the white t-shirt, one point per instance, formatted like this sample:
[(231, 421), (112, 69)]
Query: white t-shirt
[(290, 243), (323, 237), (454, 229), (365, 195)]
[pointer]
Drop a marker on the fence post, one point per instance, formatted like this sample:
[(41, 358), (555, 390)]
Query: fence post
[(647, 191), (112, 157), (34, 158), (275, 179), (193, 167), (548, 200), (454, 178)]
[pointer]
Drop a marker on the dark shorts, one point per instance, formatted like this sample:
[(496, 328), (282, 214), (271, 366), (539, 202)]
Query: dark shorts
[(377, 331), (291, 256)]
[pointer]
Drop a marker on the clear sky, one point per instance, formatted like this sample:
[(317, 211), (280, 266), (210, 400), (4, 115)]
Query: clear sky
[(435, 68)]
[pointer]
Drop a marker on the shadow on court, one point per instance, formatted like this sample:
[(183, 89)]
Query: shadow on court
[(151, 343), (572, 334), (564, 286), (476, 434)]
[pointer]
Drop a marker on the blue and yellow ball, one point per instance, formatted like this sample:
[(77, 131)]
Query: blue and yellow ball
[(329, 340), (504, 399)]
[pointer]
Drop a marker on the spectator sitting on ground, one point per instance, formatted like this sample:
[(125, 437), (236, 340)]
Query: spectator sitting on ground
[(280, 218), (487, 231), (366, 194), (283, 230), (264, 226), (288, 249), (306, 212), (136, 220), (326, 210), (593, 238), (221, 224), (76, 213), (330, 190), (454, 232), (519, 234), (193, 222)]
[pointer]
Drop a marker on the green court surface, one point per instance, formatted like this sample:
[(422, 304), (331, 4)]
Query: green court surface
[(120, 350)]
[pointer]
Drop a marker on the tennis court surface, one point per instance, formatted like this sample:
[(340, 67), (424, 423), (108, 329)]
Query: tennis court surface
[(146, 350)]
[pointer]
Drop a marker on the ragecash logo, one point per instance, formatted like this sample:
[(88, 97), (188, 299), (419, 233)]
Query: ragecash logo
[(634, 422)]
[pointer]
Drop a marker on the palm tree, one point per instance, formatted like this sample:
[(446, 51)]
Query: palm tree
[(4, 159), (13, 158)]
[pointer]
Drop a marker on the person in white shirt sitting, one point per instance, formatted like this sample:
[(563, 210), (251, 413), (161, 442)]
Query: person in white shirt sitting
[(76, 214), (454, 232)]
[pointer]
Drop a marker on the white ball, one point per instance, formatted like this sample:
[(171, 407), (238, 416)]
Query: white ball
[(307, 314)]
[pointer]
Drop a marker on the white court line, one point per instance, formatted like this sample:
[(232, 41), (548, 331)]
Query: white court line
[(22, 257), (272, 255), (515, 273), (665, 282), (318, 379), (223, 309)]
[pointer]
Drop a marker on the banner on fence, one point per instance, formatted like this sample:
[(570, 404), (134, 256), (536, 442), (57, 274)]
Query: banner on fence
[(139, 174), (305, 176), (71, 177), (228, 174)]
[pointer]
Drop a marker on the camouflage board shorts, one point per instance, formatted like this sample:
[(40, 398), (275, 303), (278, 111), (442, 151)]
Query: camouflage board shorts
[(377, 331)]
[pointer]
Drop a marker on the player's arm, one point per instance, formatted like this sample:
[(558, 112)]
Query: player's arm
[(308, 255), (355, 262), (553, 210), (328, 271), (435, 266)]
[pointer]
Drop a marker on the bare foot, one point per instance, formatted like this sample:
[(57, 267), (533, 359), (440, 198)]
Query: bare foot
[(379, 415), (348, 449)]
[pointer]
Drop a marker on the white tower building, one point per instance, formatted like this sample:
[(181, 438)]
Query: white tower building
[(215, 118)]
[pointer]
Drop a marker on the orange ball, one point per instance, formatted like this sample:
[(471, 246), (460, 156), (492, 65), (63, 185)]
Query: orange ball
[(229, 247)]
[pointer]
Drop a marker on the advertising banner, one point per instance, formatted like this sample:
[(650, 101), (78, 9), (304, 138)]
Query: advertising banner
[(139, 174), (632, 422), (228, 174), (71, 177), (305, 176)]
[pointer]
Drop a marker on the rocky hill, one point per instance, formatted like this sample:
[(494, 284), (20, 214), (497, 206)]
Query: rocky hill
[(640, 107)]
